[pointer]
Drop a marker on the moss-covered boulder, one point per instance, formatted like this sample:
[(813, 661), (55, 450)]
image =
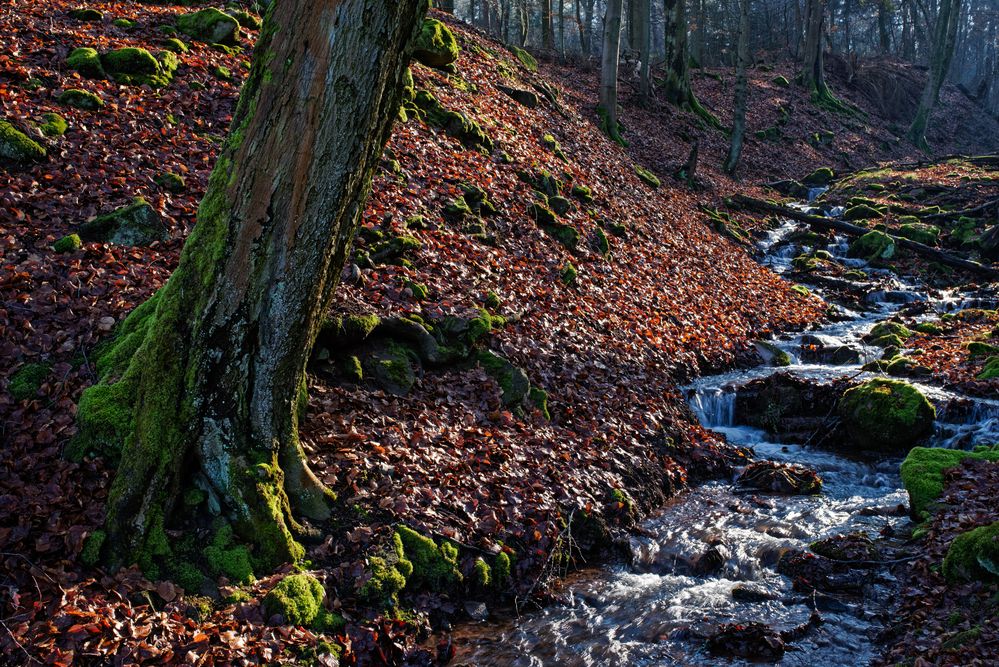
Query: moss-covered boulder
[(435, 566), (68, 243), (525, 58), (435, 46), (137, 66), (171, 182), (526, 97), (873, 245), (923, 473), (820, 177), (246, 19), (974, 555), (885, 415), (298, 598), (86, 15), (17, 147), (392, 367), (991, 369), (387, 575), (513, 381), (210, 25), (81, 99), (53, 125), (137, 224), (457, 125), (781, 81), (882, 329), (647, 176), (862, 212), (977, 348), (123, 23), (174, 45), (87, 62), (920, 233)]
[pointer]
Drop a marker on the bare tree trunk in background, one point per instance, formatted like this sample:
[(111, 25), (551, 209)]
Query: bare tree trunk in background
[(588, 24), (697, 35), (561, 29), (214, 382), (676, 87), (741, 91), (446, 6), (908, 39), (644, 44), (607, 107), (799, 28), (884, 19), (547, 27), (813, 70), (944, 38), (523, 24)]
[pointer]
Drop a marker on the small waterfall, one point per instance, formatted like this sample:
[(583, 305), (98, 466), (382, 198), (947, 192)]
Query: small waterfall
[(714, 406)]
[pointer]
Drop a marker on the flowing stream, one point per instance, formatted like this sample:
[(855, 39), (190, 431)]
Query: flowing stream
[(657, 609)]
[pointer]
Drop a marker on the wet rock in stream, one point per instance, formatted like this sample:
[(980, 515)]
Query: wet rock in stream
[(789, 407), (753, 641), (779, 478)]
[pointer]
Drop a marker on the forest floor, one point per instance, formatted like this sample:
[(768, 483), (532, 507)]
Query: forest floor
[(608, 309)]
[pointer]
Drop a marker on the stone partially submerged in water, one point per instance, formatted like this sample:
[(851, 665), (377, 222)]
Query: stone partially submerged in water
[(885, 415), (755, 641), (780, 478)]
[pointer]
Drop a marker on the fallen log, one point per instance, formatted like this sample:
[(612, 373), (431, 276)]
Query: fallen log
[(743, 201)]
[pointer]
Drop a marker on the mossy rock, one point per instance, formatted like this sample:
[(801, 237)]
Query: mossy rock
[(974, 555), (435, 46), (68, 243), (391, 367), (455, 124), (527, 98), (221, 72), (211, 26), (125, 24), (781, 81), (647, 176), (25, 383), (552, 144), (873, 245), (434, 566), (87, 62), (349, 330), (885, 415), (171, 182), (525, 58), (889, 329), (568, 274), (991, 369), (87, 15), (582, 193), (408, 86), (298, 598), (820, 177), (513, 381), (388, 574), (17, 147), (560, 205), (81, 99), (847, 547), (54, 125), (174, 45), (920, 233), (136, 67), (862, 212), (246, 19), (979, 349), (928, 328), (923, 473), (457, 210), (137, 224)]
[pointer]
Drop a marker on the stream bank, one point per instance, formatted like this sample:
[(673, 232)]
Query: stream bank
[(727, 573)]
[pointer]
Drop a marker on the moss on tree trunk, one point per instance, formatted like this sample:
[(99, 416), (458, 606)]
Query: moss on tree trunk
[(202, 385)]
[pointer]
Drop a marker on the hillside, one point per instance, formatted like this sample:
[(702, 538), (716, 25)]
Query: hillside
[(602, 287)]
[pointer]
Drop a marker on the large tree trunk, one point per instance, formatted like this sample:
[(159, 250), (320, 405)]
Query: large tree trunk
[(608, 69), (547, 27), (643, 40), (942, 50), (211, 396), (885, 10), (676, 86), (812, 71), (741, 91)]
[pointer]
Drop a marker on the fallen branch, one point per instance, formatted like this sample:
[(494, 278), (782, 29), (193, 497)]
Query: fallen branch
[(742, 201), (967, 211)]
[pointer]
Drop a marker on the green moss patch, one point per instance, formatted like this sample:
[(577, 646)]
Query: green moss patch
[(210, 25), (54, 125), (647, 176), (298, 598), (974, 555), (920, 233), (435, 566), (435, 46), (136, 66), (227, 559), (171, 182), (79, 99), (137, 224), (68, 243), (820, 177), (873, 245), (923, 473), (455, 124), (18, 147), (28, 379), (525, 58), (87, 62), (885, 415), (512, 380)]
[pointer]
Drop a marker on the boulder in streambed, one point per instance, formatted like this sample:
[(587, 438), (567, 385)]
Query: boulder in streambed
[(755, 641), (885, 415)]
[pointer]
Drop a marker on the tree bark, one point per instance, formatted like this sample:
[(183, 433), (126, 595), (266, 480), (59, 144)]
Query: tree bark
[(644, 45), (812, 71), (741, 91), (676, 86), (547, 27), (213, 388), (608, 69), (942, 50)]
